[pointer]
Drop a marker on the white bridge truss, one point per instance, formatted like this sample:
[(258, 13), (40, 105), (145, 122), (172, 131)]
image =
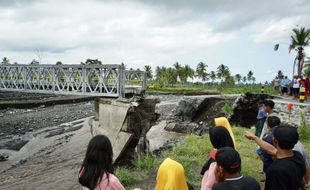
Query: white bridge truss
[(93, 80)]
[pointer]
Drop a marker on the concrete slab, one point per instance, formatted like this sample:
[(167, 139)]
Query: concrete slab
[(112, 117)]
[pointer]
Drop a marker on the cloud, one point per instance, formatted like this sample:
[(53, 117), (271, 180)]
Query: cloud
[(140, 32)]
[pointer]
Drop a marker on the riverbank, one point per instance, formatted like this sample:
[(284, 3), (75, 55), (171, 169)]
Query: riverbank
[(55, 147), (192, 153)]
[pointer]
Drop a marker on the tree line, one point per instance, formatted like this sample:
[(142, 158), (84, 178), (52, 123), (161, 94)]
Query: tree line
[(180, 74)]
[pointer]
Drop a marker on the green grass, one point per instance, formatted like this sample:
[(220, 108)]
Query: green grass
[(125, 176), (304, 127), (144, 162), (192, 154)]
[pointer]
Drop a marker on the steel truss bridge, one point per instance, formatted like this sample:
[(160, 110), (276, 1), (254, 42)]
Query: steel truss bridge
[(91, 80)]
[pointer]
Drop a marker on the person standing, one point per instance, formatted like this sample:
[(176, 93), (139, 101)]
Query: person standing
[(287, 171), (276, 84), (284, 85), (268, 107), (97, 169), (227, 172), (171, 175), (295, 87), (261, 118), (219, 137)]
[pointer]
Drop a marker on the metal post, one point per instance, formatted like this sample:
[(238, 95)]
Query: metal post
[(83, 79), (53, 79), (121, 81), (24, 71)]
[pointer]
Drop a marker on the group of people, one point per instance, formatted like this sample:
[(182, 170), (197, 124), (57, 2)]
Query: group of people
[(285, 163), (285, 86)]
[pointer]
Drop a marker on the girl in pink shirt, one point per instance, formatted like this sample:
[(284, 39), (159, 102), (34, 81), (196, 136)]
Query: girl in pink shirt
[(96, 172), (219, 137)]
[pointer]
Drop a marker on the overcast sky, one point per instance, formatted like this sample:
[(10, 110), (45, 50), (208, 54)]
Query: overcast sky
[(238, 33)]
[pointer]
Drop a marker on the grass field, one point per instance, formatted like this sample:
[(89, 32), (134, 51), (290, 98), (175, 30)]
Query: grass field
[(192, 153)]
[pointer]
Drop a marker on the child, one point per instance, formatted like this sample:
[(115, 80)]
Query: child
[(228, 172), (272, 122), (261, 118), (288, 171), (220, 136), (97, 171), (268, 107), (171, 175)]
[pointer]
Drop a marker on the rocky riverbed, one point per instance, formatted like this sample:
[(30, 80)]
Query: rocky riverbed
[(44, 145)]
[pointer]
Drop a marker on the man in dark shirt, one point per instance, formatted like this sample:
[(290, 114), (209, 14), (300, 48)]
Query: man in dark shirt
[(227, 172), (287, 171)]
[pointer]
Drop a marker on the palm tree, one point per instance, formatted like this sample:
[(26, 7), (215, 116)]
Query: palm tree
[(5, 61), (222, 72), (171, 76), (244, 79), (300, 39), (188, 72), (238, 78), (179, 69), (201, 71), (250, 76), (307, 67), (148, 71), (212, 76)]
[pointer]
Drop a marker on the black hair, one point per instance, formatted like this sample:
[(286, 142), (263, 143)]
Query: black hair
[(97, 162), (273, 121), (220, 137), (286, 135), (261, 101), (269, 103), (229, 159)]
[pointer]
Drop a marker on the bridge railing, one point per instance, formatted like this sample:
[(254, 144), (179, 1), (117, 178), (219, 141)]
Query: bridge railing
[(97, 80)]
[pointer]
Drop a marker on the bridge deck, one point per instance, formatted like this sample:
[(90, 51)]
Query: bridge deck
[(91, 80)]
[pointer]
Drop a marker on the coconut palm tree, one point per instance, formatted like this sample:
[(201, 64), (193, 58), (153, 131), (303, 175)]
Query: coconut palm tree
[(212, 76), (201, 71), (178, 68), (171, 76), (222, 72), (148, 71), (250, 76), (299, 40), (238, 78), (307, 67), (188, 72), (244, 79)]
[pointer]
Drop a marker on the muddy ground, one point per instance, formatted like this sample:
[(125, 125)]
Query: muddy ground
[(16, 122), (49, 157)]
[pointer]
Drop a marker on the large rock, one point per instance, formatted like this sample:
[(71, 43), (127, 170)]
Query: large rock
[(196, 114), (245, 109), (125, 122)]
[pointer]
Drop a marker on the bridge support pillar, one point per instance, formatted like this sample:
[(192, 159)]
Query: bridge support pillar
[(124, 122)]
